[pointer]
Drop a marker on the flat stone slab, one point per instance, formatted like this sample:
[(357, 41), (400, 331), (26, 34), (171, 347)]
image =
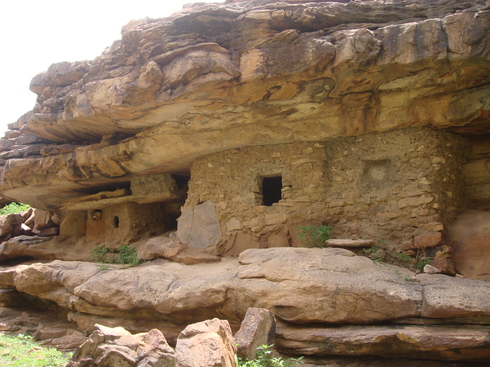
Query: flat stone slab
[(445, 342), (337, 242)]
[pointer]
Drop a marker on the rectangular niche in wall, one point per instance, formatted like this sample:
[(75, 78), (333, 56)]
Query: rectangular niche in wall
[(271, 190)]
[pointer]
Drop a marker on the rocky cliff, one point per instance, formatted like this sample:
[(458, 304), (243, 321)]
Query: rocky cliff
[(219, 76), (239, 124)]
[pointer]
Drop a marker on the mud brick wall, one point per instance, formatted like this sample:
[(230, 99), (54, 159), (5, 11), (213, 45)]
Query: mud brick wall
[(391, 185), (116, 225)]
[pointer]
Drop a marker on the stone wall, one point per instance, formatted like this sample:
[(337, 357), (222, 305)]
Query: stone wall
[(391, 185), (394, 185)]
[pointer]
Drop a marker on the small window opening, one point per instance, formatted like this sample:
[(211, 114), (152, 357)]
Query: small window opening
[(271, 190), (116, 222), (96, 215)]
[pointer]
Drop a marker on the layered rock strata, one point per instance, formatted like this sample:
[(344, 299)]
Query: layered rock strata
[(304, 287), (222, 76)]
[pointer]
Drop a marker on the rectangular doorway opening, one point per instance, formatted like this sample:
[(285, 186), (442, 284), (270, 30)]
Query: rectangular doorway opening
[(271, 190)]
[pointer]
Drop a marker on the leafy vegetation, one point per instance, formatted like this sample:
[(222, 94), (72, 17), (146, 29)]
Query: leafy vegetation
[(404, 259), (265, 358), (14, 208), (22, 350), (314, 236), (126, 254), (374, 254), (422, 263)]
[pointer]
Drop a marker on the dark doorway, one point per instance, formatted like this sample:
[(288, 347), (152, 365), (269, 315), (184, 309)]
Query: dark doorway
[(271, 190)]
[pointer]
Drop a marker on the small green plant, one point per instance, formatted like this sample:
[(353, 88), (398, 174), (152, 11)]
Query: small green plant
[(265, 358), (374, 254), (14, 208), (22, 350), (408, 278), (129, 255), (314, 236), (422, 263), (403, 258), (126, 254)]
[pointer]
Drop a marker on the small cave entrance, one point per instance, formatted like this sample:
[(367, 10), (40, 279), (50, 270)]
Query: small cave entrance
[(271, 190)]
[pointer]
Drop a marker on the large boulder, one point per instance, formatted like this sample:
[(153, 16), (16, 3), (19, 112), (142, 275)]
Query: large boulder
[(298, 285), (108, 347), (469, 236), (206, 344), (258, 328), (199, 227)]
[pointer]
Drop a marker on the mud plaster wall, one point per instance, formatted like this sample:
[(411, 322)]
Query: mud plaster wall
[(383, 185), (117, 225)]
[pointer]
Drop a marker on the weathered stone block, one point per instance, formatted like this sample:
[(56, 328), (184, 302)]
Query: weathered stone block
[(206, 344), (199, 227), (469, 237), (444, 342), (258, 328)]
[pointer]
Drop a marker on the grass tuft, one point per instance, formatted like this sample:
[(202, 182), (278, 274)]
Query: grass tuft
[(14, 208), (22, 351)]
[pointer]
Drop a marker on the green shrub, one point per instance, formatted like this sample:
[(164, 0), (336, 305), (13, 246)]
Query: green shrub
[(422, 263), (126, 254), (22, 350), (374, 253), (314, 236), (14, 208), (129, 255), (265, 358)]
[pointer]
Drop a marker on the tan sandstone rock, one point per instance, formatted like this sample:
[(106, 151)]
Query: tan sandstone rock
[(258, 328), (259, 73), (337, 242), (446, 342), (172, 249), (206, 344), (469, 237), (286, 281), (118, 347)]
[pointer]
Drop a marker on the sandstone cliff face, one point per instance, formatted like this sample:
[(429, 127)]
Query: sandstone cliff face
[(221, 76)]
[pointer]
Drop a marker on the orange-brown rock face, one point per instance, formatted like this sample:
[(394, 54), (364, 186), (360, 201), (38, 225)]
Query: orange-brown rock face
[(220, 76)]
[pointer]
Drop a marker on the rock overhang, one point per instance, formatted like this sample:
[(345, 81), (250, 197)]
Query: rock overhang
[(224, 76)]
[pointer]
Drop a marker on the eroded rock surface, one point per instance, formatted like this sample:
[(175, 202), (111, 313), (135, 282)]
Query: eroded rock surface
[(410, 341), (206, 344), (219, 76), (297, 285), (304, 288), (258, 328)]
